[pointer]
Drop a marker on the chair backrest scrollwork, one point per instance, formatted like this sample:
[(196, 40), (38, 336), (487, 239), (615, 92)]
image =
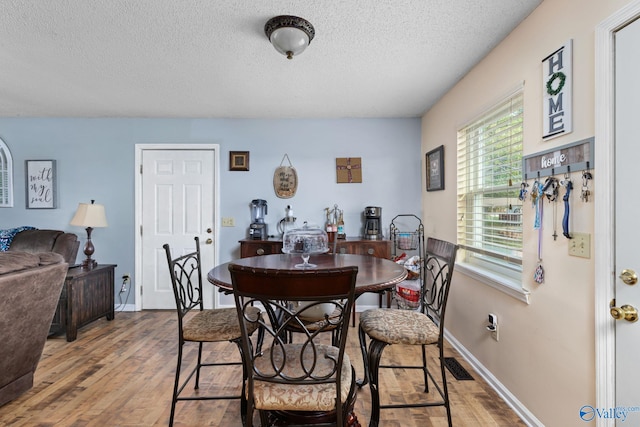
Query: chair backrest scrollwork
[(439, 262)]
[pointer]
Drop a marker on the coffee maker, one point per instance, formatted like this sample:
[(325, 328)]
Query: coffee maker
[(372, 223), (258, 228), (288, 222)]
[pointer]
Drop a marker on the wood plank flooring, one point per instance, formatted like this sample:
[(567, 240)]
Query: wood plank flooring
[(120, 373)]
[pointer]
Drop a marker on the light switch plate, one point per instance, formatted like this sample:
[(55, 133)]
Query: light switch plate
[(580, 245), (228, 222)]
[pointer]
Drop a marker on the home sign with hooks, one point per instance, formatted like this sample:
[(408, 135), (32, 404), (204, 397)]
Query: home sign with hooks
[(573, 157)]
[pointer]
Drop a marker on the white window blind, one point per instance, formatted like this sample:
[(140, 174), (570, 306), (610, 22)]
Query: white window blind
[(489, 178), (6, 177)]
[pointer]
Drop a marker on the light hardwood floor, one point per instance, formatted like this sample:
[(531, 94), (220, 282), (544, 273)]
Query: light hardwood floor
[(120, 373)]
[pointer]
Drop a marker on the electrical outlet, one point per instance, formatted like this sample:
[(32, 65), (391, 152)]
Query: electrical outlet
[(126, 277), (493, 326), (580, 245), (228, 222)]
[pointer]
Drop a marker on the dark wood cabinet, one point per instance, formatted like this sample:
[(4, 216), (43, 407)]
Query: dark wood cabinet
[(87, 295), (350, 245)]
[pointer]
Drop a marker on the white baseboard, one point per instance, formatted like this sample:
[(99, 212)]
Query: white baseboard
[(524, 414), (125, 307)]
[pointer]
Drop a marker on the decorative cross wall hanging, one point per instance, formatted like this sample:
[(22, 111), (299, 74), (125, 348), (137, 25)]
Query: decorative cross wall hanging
[(348, 169)]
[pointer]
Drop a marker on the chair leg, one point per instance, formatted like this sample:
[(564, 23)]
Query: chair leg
[(362, 335), (445, 390), (425, 369), (243, 395), (353, 315), (176, 384), (197, 386), (375, 354)]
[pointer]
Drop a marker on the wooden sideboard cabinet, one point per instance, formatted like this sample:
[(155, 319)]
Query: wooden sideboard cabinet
[(87, 295), (350, 245)]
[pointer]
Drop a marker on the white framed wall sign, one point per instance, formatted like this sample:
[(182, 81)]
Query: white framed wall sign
[(557, 92), (41, 184)]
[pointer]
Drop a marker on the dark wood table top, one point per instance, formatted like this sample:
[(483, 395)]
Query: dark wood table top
[(374, 274)]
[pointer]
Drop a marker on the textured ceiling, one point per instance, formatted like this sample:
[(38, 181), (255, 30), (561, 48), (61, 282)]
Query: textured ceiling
[(211, 58)]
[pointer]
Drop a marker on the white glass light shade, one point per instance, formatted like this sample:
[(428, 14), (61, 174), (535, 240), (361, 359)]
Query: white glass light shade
[(89, 215), (289, 41), (289, 34)]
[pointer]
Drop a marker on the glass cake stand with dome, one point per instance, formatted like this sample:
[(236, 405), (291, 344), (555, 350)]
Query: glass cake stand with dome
[(305, 241)]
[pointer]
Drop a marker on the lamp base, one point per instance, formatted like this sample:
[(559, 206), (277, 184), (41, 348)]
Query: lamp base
[(89, 249), (89, 264)]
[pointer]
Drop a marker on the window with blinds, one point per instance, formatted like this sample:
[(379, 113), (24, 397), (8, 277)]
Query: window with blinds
[(489, 180), (6, 177)]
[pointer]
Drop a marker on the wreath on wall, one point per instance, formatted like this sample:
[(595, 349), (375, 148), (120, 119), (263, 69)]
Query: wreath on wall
[(559, 75)]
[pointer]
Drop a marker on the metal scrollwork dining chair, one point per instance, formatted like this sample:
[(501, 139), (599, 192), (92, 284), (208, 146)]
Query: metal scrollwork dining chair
[(199, 325), (308, 380), (425, 327)]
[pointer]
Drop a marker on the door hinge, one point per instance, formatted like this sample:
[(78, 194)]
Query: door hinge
[(140, 168), (141, 230)]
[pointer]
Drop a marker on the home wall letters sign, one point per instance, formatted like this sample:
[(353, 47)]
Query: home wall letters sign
[(41, 184), (557, 92), (568, 158)]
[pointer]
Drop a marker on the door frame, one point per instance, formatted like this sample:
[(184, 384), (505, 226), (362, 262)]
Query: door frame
[(139, 149), (604, 217)]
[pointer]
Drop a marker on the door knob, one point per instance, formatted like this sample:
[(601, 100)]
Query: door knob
[(209, 241), (626, 312), (629, 277)]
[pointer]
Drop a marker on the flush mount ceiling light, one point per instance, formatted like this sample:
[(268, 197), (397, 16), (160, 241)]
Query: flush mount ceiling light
[(290, 35)]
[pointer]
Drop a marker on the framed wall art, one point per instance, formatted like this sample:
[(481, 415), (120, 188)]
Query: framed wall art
[(348, 170), (238, 160), (41, 184), (435, 169)]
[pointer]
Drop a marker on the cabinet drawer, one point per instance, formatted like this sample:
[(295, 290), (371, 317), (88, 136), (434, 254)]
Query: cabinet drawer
[(377, 248), (257, 248)]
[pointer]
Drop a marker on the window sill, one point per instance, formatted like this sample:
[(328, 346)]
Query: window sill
[(503, 284)]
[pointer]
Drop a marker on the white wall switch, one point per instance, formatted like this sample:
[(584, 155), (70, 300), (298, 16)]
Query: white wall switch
[(228, 222)]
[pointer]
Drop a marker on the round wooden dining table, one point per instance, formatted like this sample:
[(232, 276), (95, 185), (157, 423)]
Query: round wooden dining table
[(374, 274)]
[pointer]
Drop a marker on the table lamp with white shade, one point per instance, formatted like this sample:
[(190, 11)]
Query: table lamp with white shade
[(89, 216)]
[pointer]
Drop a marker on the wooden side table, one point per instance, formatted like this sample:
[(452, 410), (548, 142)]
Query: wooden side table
[(87, 295)]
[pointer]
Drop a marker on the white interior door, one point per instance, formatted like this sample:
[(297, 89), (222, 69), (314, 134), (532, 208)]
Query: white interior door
[(627, 207), (177, 204)]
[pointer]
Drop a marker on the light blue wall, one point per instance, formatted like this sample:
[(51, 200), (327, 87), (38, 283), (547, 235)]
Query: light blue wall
[(95, 160)]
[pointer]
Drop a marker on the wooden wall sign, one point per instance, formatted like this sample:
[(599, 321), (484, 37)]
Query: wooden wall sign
[(557, 92), (568, 158), (41, 184), (285, 180), (348, 169)]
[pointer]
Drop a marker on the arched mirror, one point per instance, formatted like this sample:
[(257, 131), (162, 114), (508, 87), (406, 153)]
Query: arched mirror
[(6, 176)]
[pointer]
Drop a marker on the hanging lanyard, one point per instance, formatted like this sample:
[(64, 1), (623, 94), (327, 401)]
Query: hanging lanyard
[(565, 220)]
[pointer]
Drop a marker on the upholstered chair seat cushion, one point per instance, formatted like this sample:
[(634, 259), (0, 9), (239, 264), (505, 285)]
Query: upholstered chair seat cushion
[(300, 397), (216, 325), (394, 326)]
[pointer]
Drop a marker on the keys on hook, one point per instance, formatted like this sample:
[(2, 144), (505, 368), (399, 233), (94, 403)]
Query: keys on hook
[(585, 193)]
